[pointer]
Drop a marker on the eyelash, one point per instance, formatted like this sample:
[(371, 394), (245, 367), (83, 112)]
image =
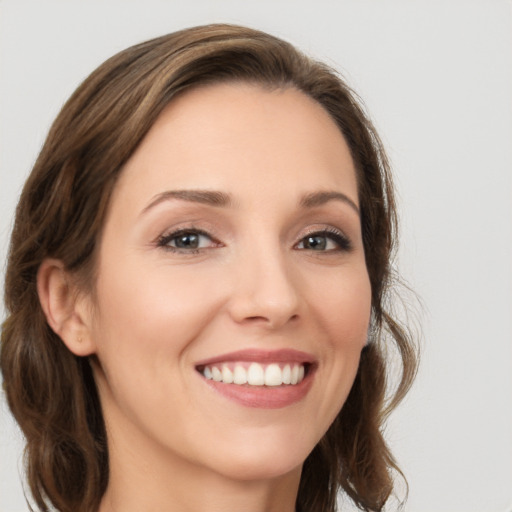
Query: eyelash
[(165, 240), (343, 242)]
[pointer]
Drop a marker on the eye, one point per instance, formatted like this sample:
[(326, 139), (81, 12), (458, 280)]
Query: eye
[(326, 241), (187, 240)]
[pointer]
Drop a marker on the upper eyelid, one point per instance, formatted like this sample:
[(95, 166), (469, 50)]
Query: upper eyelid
[(179, 231), (324, 229), (342, 242), (185, 228), (169, 235), (327, 229), (207, 232), (221, 238)]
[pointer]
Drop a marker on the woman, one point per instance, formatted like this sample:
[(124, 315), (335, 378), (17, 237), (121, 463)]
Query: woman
[(198, 287)]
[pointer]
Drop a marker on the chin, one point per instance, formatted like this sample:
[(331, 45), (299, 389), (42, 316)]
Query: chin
[(263, 460), (262, 469)]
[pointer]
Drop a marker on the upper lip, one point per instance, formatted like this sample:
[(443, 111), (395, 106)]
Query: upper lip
[(261, 356)]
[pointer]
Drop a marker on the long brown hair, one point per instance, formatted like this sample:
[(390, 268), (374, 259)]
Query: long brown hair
[(51, 392)]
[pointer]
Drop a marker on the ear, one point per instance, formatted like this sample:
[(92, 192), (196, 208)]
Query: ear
[(67, 311)]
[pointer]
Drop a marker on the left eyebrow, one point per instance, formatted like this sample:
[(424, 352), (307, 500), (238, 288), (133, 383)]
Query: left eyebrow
[(314, 199), (209, 197)]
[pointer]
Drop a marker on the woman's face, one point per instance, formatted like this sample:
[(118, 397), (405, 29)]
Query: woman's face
[(232, 251)]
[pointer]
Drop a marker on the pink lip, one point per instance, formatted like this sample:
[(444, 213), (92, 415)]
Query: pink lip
[(262, 396), (261, 356)]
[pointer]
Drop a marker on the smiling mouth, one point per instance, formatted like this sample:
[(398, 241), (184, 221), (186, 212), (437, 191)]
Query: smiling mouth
[(256, 374), (264, 379)]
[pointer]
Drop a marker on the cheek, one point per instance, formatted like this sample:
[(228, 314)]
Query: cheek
[(343, 313), (146, 324), (147, 320), (343, 304), (161, 301)]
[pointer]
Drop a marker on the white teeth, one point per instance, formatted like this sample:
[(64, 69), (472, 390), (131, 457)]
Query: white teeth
[(227, 375), (287, 374), (216, 374), (240, 375), (295, 374), (256, 374), (273, 375)]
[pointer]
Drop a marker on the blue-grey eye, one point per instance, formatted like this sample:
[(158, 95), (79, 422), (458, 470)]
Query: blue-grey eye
[(316, 243), (186, 240), (325, 241)]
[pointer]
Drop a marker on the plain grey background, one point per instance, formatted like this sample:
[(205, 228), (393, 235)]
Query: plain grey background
[(436, 76)]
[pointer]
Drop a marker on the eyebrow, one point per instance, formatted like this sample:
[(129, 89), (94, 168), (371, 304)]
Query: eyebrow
[(222, 199), (209, 197), (320, 198)]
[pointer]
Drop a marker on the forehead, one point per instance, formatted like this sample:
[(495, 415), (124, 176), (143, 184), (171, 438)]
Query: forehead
[(243, 137)]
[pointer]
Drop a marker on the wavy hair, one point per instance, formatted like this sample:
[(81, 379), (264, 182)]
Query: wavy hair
[(52, 393)]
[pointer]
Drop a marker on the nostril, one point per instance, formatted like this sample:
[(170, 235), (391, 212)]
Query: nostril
[(272, 320)]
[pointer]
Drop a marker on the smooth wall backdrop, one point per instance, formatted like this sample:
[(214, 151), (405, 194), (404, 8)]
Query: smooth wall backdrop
[(436, 77)]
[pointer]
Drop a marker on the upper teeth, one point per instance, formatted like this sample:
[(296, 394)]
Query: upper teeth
[(256, 374)]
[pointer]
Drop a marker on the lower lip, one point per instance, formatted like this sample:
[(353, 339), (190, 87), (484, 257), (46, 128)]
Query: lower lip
[(263, 397)]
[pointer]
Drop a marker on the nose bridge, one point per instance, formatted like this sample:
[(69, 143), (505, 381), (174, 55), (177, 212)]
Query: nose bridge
[(265, 288)]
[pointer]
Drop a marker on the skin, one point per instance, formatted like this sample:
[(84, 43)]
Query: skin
[(254, 283)]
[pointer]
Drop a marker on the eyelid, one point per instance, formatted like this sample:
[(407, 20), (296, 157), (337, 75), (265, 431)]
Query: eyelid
[(343, 242), (164, 239), (340, 238)]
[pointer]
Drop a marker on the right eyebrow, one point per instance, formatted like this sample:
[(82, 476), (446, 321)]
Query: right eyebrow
[(209, 197), (324, 196)]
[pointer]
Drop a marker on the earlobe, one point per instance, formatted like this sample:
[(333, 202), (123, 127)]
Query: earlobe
[(63, 307)]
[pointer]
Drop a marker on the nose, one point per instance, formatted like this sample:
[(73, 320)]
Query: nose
[(265, 291)]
